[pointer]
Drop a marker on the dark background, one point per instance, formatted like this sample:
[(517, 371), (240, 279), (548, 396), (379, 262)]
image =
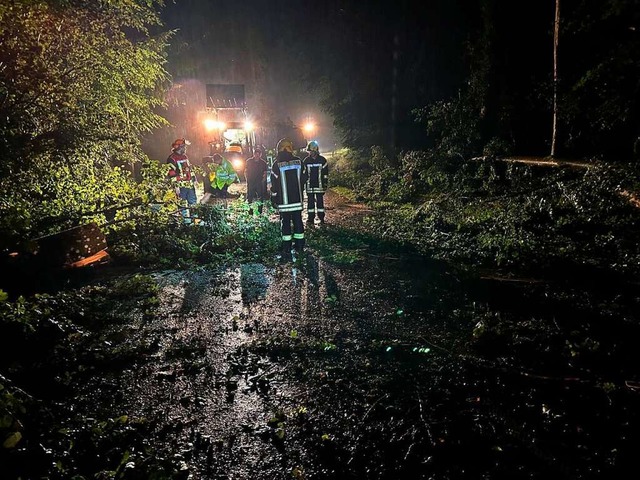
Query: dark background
[(360, 69)]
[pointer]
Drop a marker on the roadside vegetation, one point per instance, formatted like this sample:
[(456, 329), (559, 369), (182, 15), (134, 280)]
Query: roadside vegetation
[(48, 348), (500, 214)]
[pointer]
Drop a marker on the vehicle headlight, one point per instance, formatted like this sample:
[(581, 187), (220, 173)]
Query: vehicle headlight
[(237, 163)]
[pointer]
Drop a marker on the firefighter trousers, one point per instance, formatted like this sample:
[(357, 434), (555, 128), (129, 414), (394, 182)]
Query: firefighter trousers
[(290, 237), (315, 202)]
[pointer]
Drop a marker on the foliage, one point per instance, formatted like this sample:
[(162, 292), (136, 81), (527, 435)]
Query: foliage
[(601, 72), (218, 235), (238, 233), (495, 213), (466, 125), (454, 124), (48, 342), (349, 167), (72, 115)]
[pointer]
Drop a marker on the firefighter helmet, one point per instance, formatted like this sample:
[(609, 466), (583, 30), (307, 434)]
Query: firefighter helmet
[(179, 142), (285, 145), (313, 146)]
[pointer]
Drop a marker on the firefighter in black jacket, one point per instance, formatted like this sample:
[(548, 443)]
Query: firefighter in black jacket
[(255, 171), (318, 171), (288, 175)]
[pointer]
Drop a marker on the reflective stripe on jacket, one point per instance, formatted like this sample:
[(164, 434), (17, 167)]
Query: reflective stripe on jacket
[(288, 175), (318, 171), (180, 170)]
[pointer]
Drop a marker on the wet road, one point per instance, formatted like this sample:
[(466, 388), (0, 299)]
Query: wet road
[(360, 368)]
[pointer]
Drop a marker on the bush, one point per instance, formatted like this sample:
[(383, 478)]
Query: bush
[(349, 168)]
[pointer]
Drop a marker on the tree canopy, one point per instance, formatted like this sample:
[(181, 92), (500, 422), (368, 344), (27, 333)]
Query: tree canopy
[(79, 81)]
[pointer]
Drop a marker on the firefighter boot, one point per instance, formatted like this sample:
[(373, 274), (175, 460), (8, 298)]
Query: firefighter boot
[(286, 250), (299, 245)]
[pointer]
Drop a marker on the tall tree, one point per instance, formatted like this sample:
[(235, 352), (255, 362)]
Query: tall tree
[(600, 84), (556, 37), (78, 84)]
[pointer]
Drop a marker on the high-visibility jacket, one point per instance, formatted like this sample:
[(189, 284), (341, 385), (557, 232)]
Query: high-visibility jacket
[(288, 175), (180, 170), (225, 174), (318, 171)]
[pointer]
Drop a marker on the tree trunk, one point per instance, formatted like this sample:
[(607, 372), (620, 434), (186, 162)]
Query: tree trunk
[(556, 34)]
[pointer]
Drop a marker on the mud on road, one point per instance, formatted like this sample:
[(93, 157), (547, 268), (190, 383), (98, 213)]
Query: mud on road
[(359, 360)]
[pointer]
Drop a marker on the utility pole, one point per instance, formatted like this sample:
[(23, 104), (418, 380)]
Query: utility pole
[(556, 34)]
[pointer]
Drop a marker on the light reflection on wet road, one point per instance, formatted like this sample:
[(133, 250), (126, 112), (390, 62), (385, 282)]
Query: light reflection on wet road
[(215, 395)]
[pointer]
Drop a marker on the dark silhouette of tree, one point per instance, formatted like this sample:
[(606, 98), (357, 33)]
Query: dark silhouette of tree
[(515, 95), (600, 82), (556, 38), (370, 65)]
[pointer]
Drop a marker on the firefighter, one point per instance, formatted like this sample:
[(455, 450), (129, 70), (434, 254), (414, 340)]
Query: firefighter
[(256, 174), (209, 178), (318, 171), (288, 175), (225, 175), (181, 176)]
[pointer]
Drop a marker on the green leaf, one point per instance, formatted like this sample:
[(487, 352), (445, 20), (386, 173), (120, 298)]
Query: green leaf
[(6, 421), (12, 440)]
